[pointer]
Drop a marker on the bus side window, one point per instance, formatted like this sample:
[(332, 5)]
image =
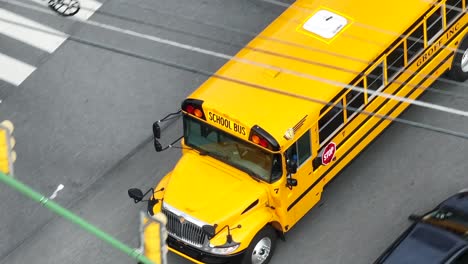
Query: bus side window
[(415, 42), (434, 25), (354, 100), (395, 61), (375, 79), (301, 150), (453, 9), (330, 122)]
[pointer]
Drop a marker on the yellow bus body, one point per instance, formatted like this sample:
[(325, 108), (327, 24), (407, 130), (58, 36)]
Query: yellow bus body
[(287, 90)]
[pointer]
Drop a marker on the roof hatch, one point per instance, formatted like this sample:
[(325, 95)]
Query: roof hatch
[(325, 24)]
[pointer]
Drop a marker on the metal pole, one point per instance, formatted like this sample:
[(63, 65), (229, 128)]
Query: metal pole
[(56, 208)]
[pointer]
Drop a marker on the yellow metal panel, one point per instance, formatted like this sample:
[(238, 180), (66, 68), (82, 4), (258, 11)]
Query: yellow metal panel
[(153, 235), (323, 66), (7, 142), (216, 193)]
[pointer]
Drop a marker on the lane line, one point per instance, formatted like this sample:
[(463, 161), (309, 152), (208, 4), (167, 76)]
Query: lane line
[(212, 53), (40, 39), (14, 71)]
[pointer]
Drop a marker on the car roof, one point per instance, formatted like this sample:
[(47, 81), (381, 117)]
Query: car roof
[(424, 243), (458, 202)]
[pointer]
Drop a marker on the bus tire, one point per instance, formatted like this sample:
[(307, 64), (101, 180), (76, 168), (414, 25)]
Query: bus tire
[(459, 70), (262, 247)]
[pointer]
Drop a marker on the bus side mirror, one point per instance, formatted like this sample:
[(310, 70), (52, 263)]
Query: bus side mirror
[(291, 166), (156, 130), (292, 182), (135, 194), (209, 230), (157, 145)]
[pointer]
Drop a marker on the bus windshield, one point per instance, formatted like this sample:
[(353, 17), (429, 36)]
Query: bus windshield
[(247, 157)]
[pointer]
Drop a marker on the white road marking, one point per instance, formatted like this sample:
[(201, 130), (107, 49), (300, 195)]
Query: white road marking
[(36, 38), (14, 71), (36, 35), (87, 8), (43, 3)]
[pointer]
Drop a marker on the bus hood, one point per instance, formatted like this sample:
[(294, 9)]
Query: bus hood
[(211, 191)]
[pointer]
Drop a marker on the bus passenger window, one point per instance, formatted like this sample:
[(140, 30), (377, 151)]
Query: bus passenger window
[(301, 150), (434, 25), (453, 9), (375, 79), (395, 61), (354, 100), (330, 122), (415, 42)]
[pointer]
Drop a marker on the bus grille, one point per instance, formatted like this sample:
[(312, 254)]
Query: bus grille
[(185, 231)]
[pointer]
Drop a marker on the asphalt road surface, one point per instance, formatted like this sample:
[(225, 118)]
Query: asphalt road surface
[(83, 118)]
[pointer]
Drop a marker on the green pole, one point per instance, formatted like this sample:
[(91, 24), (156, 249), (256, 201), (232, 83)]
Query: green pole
[(56, 208)]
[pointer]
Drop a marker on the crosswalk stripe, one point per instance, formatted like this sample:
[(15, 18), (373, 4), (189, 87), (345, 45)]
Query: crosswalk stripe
[(13, 70), (40, 39), (36, 35), (88, 7), (43, 3)]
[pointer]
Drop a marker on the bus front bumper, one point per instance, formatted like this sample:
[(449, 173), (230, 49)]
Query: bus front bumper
[(197, 256)]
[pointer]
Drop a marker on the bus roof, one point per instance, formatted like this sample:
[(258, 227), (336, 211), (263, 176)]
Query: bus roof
[(358, 31)]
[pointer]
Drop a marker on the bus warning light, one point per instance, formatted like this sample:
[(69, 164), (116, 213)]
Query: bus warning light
[(190, 109), (198, 113), (193, 107), (259, 141), (289, 134), (255, 139)]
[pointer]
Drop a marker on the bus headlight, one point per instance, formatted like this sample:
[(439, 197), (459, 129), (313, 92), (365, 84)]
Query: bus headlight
[(224, 249)]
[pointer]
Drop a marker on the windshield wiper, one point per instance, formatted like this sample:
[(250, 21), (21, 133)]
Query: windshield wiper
[(227, 159), (252, 174), (223, 157)]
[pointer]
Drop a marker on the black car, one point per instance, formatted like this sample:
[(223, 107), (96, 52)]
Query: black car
[(437, 237)]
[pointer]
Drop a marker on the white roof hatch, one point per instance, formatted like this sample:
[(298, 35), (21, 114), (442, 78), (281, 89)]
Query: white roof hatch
[(325, 24)]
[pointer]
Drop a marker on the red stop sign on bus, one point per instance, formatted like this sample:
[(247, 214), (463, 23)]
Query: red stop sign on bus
[(328, 153)]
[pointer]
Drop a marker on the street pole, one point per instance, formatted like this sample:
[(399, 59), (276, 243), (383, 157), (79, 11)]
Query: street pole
[(59, 210)]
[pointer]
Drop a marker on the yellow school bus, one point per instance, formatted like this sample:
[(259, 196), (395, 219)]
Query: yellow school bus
[(256, 160)]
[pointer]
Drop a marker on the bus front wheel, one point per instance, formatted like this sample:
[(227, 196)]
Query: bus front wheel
[(459, 70), (262, 246)]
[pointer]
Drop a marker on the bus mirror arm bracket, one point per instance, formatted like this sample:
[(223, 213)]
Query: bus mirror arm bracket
[(291, 182), (157, 127), (137, 195), (291, 168), (158, 147), (157, 131)]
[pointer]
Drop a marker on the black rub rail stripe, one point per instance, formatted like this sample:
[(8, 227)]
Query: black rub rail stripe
[(381, 120)]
